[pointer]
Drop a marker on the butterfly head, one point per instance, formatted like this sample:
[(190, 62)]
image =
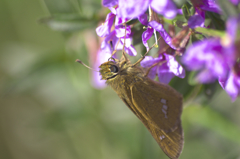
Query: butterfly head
[(109, 70)]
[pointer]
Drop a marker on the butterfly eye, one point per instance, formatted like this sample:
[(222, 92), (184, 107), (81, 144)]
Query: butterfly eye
[(114, 68)]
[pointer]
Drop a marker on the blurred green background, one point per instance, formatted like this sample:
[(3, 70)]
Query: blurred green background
[(49, 110)]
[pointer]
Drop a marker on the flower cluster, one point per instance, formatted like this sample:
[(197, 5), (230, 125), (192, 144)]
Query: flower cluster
[(214, 57), (201, 7), (218, 58)]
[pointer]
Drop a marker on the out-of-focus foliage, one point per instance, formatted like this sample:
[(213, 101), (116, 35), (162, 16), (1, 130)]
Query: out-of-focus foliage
[(49, 110)]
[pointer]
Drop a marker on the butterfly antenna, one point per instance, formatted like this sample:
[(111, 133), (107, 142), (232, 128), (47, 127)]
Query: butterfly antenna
[(79, 61)]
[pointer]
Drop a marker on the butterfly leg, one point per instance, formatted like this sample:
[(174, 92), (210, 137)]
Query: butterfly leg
[(123, 51), (145, 54), (115, 50)]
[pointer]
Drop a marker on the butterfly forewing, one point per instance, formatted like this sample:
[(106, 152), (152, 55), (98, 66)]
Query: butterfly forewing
[(152, 100), (161, 115)]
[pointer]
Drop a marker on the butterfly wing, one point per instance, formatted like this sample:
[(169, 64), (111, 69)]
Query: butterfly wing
[(159, 107), (160, 104)]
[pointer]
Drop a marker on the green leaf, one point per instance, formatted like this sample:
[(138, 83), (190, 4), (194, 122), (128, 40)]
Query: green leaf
[(196, 37), (188, 10), (179, 3), (68, 23), (228, 8), (60, 6), (192, 78), (216, 21), (210, 32), (212, 120)]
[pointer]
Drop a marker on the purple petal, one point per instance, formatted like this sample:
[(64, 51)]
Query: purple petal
[(109, 3), (143, 19), (196, 21), (120, 20), (194, 57), (105, 43), (211, 58), (217, 66), (148, 61), (105, 29), (235, 2), (179, 11), (210, 5), (113, 10), (175, 67), (152, 73), (120, 31), (231, 88), (164, 75), (157, 26), (96, 80), (131, 50), (96, 77), (132, 9), (167, 38), (169, 69), (165, 7), (145, 36), (206, 76), (237, 81), (232, 25)]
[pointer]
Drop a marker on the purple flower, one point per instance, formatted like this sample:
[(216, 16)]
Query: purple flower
[(101, 57), (197, 20), (105, 28), (231, 85), (200, 7), (207, 5), (135, 8), (235, 2), (166, 69), (210, 58), (215, 58), (109, 3), (158, 27), (114, 35)]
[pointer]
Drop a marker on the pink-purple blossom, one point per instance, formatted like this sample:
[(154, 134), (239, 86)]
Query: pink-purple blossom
[(150, 29), (135, 8), (201, 6), (210, 58), (101, 57), (231, 84), (167, 67), (116, 34), (113, 40), (235, 2), (215, 58)]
